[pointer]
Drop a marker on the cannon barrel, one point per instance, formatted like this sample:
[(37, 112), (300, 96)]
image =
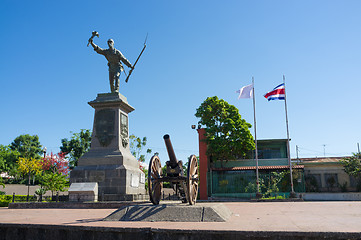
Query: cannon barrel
[(172, 158)]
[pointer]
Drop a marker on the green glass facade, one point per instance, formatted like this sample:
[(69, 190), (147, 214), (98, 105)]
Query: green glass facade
[(227, 179)]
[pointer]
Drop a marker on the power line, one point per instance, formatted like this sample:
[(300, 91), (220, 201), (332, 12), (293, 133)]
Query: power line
[(324, 153)]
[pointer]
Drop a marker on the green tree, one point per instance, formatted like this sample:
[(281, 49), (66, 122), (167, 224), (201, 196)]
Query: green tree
[(76, 146), (227, 134), (54, 182), (137, 145), (3, 167), (352, 166), (55, 171), (29, 166), (28, 146), (8, 159), (2, 183)]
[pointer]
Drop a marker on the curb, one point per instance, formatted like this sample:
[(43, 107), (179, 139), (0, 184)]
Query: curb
[(56, 232)]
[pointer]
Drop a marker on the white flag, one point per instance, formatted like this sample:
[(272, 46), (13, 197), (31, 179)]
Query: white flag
[(245, 92)]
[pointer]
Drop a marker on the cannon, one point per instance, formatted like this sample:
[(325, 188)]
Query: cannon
[(185, 186)]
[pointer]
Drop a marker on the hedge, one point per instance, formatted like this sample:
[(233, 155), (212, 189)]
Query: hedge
[(6, 199)]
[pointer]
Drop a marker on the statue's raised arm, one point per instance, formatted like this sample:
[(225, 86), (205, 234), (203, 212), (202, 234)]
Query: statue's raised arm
[(94, 34), (115, 59)]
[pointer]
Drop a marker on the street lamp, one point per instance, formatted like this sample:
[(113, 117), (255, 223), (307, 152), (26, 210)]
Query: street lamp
[(44, 151), (41, 185)]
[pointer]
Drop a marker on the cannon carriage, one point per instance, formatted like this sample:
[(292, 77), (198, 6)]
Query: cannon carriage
[(186, 186)]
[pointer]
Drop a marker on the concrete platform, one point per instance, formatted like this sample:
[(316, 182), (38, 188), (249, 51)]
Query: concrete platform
[(204, 212), (256, 220)]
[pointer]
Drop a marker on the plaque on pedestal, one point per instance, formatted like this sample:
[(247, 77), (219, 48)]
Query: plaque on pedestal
[(109, 161)]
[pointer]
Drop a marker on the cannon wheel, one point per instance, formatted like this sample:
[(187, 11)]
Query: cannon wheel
[(154, 173), (192, 185)]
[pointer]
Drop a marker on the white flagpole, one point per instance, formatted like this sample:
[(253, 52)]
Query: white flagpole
[(288, 139), (255, 137)]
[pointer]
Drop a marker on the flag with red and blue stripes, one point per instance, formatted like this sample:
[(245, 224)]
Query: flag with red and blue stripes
[(278, 93)]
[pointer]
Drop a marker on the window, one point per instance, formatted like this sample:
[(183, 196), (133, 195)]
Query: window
[(313, 182), (331, 180), (269, 153)]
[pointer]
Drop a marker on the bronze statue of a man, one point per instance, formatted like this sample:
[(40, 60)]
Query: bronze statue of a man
[(115, 59)]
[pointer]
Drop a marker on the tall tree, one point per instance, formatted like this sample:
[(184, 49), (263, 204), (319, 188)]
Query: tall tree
[(28, 146), (76, 146), (227, 134)]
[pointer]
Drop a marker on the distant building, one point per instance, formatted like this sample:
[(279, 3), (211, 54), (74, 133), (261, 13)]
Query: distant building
[(237, 178), (326, 174)]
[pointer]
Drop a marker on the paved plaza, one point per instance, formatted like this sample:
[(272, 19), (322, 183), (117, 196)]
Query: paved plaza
[(246, 216)]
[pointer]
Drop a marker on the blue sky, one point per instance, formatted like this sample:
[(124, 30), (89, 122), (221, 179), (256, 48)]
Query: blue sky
[(195, 49)]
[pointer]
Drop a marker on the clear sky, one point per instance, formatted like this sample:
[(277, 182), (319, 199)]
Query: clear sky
[(195, 50)]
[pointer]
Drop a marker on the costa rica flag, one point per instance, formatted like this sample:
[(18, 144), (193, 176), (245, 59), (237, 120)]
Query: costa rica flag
[(278, 93)]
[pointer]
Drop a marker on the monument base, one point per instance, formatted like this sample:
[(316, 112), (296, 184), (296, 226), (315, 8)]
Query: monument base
[(116, 182), (109, 161), (206, 212)]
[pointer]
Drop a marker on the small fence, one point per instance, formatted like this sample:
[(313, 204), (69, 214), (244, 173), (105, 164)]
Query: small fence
[(242, 184), (6, 199)]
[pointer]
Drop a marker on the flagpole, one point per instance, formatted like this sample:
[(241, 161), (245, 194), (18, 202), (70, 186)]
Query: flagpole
[(288, 140), (255, 137)]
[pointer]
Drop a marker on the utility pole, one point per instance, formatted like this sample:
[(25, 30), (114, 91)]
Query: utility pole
[(298, 160), (324, 150)]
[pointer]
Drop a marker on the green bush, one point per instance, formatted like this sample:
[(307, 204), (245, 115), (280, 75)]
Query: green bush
[(273, 198), (22, 198), (6, 199)]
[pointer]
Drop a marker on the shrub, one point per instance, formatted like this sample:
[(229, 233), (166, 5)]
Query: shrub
[(5, 200), (273, 198)]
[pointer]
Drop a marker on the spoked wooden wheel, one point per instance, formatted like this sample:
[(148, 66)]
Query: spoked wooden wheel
[(154, 185), (192, 180)]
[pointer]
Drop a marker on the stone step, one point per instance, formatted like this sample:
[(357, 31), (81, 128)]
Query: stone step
[(123, 197)]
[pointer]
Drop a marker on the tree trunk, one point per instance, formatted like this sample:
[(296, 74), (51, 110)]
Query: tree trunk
[(27, 197)]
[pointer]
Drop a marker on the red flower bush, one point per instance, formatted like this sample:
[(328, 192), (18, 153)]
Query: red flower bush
[(56, 163)]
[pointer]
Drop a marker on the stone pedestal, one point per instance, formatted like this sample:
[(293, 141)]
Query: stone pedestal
[(109, 161)]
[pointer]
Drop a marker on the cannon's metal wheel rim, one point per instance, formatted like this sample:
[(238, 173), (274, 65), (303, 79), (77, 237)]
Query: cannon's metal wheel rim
[(192, 185), (154, 173)]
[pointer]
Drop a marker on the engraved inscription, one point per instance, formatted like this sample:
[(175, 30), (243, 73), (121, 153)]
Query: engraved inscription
[(124, 129), (104, 124)]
